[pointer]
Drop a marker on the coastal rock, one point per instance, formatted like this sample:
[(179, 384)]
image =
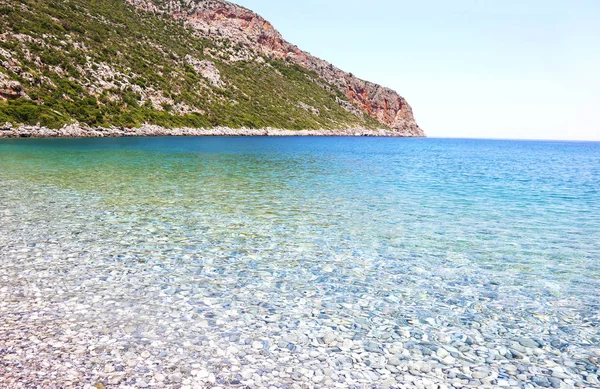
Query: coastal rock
[(77, 130)]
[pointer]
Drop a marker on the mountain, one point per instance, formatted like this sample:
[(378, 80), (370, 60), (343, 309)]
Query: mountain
[(175, 63)]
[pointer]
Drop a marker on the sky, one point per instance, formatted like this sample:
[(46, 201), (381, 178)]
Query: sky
[(517, 69)]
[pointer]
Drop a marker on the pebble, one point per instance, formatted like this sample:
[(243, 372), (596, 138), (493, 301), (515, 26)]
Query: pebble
[(329, 337), (528, 343), (202, 374), (393, 360), (515, 354), (555, 382), (592, 379), (442, 353), (478, 374), (373, 347), (449, 360)]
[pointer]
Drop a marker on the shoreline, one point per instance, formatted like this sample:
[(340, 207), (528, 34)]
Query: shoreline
[(7, 131)]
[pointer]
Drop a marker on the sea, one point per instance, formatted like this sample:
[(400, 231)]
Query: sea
[(299, 262)]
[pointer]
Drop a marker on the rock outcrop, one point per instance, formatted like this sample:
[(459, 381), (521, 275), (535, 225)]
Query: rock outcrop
[(11, 89), (207, 69), (217, 18)]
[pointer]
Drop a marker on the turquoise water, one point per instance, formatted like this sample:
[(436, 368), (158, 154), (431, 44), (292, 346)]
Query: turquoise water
[(194, 249)]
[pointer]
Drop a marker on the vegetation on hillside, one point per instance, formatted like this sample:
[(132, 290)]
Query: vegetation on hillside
[(104, 63)]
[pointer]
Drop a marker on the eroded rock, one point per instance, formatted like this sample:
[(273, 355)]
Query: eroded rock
[(10, 89)]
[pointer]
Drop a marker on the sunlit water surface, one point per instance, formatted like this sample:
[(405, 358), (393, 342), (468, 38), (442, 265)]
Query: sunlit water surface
[(135, 260)]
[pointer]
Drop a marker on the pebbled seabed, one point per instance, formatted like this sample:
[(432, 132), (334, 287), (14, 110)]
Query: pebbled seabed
[(299, 263)]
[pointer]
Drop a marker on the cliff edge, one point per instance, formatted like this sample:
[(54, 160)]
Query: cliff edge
[(223, 19)]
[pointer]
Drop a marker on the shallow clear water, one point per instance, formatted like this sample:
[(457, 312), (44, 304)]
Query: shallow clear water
[(336, 255)]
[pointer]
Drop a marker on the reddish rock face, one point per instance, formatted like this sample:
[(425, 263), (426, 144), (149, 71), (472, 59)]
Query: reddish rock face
[(219, 18)]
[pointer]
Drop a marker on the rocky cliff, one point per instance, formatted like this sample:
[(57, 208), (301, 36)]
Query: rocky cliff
[(216, 18), (175, 64)]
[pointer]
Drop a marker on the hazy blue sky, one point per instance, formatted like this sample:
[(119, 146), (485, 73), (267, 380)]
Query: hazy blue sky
[(469, 68)]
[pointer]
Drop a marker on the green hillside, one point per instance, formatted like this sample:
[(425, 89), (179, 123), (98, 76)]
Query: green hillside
[(104, 63)]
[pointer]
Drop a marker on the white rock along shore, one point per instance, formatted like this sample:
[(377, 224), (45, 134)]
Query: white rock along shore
[(82, 131)]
